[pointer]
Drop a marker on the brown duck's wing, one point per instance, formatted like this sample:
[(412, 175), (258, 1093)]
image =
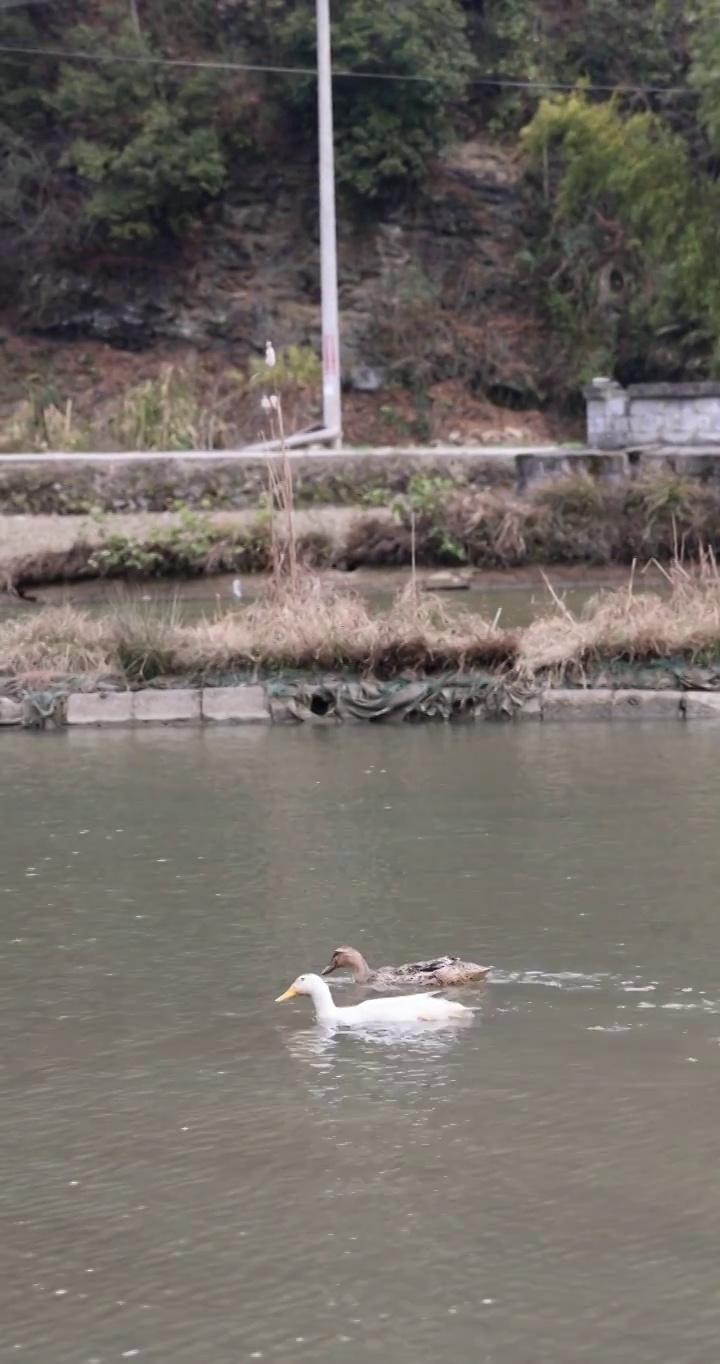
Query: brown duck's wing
[(438, 971), (460, 973), (426, 967)]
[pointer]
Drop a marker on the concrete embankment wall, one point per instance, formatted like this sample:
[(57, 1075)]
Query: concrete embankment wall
[(255, 704), (70, 483)]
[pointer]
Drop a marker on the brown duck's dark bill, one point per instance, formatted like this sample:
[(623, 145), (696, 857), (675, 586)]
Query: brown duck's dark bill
[(329, 969)]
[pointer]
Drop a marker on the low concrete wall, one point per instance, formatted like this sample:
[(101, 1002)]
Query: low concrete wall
[(672, 415), (169, 706), (251, 704)]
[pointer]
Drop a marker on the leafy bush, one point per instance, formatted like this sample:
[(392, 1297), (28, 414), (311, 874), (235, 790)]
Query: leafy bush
[(607, 42), (146, 141), (22, 78), (627, 252), (618, 43), (705, 70), (386, 131)]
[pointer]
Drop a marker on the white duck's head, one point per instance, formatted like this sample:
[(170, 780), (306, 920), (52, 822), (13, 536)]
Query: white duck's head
[(304, 985)]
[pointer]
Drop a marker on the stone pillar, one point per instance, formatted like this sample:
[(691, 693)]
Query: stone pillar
[(607, 415)]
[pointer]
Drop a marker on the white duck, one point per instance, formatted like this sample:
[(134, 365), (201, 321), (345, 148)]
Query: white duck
[(395, 1009)]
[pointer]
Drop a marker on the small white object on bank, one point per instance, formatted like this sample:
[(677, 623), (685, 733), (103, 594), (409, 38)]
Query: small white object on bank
[(270, 358), (237, 589)]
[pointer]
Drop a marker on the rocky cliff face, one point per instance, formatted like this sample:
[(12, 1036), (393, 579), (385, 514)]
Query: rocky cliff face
[(430, 297)]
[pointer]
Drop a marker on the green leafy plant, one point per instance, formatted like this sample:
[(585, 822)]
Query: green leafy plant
[(146, 143), (422, 508), (163, 414), (386, 131), (184, 544), (627, 239), (704, 72)]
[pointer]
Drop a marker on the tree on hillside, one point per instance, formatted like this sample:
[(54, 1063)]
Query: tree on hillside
[(387, 131), (145, 142), (627, 242), (705, 68)]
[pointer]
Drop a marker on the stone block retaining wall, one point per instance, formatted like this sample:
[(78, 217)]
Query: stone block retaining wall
[(251, 704), (676, 415)]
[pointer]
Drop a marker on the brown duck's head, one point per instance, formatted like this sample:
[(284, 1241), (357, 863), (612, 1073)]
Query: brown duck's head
[(345, 956)]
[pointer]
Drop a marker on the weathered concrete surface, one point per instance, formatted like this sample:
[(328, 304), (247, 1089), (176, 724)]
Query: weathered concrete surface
[(235, 705), (701, 705), (250, 705), (174, 706), (577, 705), (283, 712), (530, 710), (652, 414), (99, 708), (11, 712), (646, 705)]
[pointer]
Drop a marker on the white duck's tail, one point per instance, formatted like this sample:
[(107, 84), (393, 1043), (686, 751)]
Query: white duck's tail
[(434, 1007)]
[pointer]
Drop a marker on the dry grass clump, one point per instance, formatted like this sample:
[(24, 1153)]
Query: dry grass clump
[(59, 641), (144, 644), (320, 628), (311, 627), (420, 635), (178, 408), (630, 626), (307, 626)]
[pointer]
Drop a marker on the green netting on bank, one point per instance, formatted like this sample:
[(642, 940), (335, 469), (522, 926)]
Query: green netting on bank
[(451, 696), (661, 674), (437, 698)]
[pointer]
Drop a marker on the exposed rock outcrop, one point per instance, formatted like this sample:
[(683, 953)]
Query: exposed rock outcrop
[(429, 295)]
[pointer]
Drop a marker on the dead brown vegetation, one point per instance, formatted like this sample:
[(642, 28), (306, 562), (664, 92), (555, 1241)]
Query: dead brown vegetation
[(630, 625), (573, 520), (316, 628)]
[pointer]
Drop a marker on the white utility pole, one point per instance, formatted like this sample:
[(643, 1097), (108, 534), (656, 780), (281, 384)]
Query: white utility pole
[(332, 402)]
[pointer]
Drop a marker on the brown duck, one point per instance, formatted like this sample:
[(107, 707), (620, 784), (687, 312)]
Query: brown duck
[(440, 971)]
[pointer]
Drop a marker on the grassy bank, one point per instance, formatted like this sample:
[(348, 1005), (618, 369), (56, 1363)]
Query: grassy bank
[(573, 520), (440, 524), (319, 629), (144, 546)]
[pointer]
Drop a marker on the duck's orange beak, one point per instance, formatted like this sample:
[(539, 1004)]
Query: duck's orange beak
[(290, 993)]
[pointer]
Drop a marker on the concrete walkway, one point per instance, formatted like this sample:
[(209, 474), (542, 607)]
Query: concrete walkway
[(24, 533)]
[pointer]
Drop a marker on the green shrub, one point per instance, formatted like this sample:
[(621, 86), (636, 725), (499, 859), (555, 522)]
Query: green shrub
[(627, 242), (386, 131), (146, 140), (22, 76), (704, 72)]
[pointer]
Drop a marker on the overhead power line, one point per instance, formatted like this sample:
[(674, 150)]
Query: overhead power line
[(487, 82)]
